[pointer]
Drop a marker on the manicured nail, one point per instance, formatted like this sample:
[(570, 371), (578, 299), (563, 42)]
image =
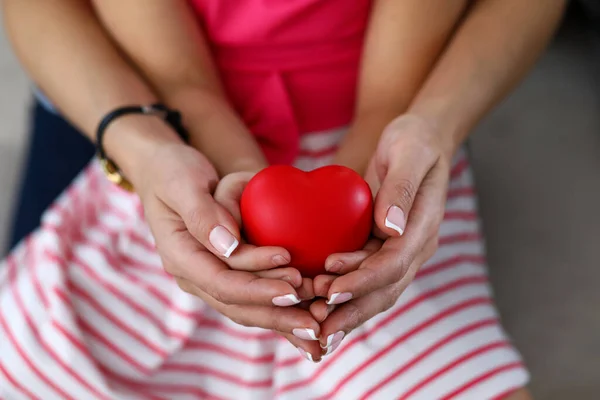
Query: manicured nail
[(396, 219), (332, 348), (305, 334), (223, 241), (279, 260), (334, 338), (335, 267), (286, 301), (338, 298), (305, 354)]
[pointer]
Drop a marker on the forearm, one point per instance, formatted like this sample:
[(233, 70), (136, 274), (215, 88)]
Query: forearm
[(494, 47), (404, 39), (63, 47), (165, 43)]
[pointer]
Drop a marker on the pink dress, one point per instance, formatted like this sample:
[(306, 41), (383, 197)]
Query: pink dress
[(87, 312)]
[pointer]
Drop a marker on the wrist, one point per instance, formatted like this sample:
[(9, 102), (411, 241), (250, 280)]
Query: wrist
[(132, 140), (446, 130)]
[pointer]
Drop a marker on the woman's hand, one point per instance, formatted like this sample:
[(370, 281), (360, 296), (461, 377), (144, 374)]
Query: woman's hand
[(198, 240), (409, 175)]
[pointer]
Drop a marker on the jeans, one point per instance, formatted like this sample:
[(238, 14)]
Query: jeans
[(57, 154)]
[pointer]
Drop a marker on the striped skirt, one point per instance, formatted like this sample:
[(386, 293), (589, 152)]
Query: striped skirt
[(87, 312)]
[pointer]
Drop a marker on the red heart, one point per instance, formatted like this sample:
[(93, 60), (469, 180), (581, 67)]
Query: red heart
[(311, 214)]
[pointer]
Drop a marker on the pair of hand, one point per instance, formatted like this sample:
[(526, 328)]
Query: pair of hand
[(195, 221)]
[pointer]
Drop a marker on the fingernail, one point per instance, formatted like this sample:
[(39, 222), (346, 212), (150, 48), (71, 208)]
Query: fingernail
[(305, 354), (286, 301), (335, 267), (338, 298), (305, 334), (396, 219), (333, 339), (279, 260), (332, 348), (223, 241), (330, 308)]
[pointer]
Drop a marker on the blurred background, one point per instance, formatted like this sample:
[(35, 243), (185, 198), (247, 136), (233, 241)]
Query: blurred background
[(537, 165)]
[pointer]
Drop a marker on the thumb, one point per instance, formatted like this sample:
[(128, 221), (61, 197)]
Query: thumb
[(229, 193), (206, 220), (399, 187)]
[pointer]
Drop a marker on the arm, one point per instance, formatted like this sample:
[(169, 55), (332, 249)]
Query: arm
[(403, 41), (69, 55), (66, 52), (165, 42), (494, 46), (493, 49)]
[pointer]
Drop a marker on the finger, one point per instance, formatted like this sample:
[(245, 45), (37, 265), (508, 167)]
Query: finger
[(208, 222), (292, 321), (229, 193), (342, 263), (388, 266), (349, 316), (184, 257), (319, 309), (403, 166), (306, 291), (393, 260), (252, 258), (288, 274), (309, 349), (322, 283)]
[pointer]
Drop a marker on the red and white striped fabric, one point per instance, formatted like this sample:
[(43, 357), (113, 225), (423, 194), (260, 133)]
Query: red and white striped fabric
[(87, 312)]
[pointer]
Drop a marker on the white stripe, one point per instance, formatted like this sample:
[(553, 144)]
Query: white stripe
[(414, 346), (513, 378), (354, 357), (448, 251), (34, 349), (466, 371), (317, 141)]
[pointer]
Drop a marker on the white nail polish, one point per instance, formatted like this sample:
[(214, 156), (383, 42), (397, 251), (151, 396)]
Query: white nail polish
[(305, 354), (305, 334), (231, 249), (390, 224), (334, 337), (286, 300)]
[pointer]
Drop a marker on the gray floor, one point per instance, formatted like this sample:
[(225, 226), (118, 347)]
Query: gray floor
[(537, 162)]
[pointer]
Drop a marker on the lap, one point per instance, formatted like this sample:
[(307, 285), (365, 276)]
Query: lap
[(87, 312)]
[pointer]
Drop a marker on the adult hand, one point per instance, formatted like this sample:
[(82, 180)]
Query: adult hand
[(409, 174), (198, 241)]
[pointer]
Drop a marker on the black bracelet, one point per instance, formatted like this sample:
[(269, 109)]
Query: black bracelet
[(171, 117)]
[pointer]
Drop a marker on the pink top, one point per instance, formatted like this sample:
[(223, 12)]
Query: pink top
[(289, 66)]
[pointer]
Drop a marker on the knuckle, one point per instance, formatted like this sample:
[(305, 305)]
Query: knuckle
[(404, 193), (240, 319), (277, 321), (355, 316), (218, 296), (195, 220)]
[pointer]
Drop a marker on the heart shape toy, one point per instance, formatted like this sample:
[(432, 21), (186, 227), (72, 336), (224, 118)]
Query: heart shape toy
[(311, 214)]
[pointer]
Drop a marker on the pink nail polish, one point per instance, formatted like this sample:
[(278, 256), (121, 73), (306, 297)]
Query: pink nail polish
[(396, 219), (286, 301), (222, 240), (338, 298), (332, 348), (333, 339), (305, 334), (305, 354)]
